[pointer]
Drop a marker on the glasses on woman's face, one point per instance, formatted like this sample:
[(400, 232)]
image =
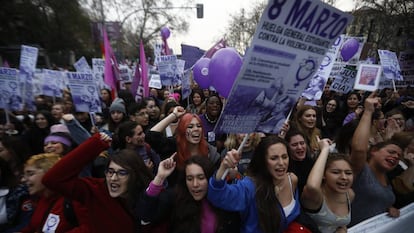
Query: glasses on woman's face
[(120, 173)]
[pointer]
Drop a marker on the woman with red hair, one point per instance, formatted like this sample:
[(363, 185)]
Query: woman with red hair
[(188, 139)]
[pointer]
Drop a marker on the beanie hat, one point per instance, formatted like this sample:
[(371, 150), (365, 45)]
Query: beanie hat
[(118, 105), (59, 128), (175, 96), (59, 137)]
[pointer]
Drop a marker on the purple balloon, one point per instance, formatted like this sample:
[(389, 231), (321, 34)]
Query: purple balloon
[(200, 72), (223, 70), (165, 33), (349, 49)]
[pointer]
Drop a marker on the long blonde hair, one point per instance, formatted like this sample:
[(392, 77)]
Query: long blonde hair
[(232, 143)]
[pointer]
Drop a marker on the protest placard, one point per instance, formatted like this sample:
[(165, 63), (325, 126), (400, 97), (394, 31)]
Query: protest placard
[(389, 63), (82, 66), (10, 96), (98, 70), (318, 81), (52, 82), (27, 66), (85, 93), (289, 43), (368, 77), (383, 223)]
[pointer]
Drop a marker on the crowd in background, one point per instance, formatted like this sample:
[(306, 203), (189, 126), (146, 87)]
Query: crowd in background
[(158, 166)]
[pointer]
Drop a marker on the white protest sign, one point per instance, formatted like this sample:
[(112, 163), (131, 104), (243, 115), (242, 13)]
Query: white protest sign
[(383, 223), (368, 77), (98, 70), (52, 82), (318, 81), (155, 81), (85, 93), (167, 68), (82, 66), (28, 59), (290, 42), (390, 67), (10, 96), (344, 81)]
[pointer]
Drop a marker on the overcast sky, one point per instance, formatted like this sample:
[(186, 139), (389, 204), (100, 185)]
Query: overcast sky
[(204, 32)]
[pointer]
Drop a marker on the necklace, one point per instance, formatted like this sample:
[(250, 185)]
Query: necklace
[(278, 188), (209, 120)]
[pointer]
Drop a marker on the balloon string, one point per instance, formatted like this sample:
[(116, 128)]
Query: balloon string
[(239, 150)]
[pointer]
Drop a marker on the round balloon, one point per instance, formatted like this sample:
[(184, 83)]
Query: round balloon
[(349, 49), (165, 33), (223, 70), (200, 72)]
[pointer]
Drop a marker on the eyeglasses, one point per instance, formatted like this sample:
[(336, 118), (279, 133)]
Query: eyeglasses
[(120, 173)]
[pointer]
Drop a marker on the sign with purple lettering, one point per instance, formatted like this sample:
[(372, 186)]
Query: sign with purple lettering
[(344, 81), (98, 66), (167, 66), (52, 82), (10, 96), (85, 93), (318, 81), (390, 66), (28, 59), (82, 66), (288, 46)]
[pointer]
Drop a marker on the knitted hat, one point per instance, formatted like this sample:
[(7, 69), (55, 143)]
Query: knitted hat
[(60, 137), (118, 105), (59, 128)]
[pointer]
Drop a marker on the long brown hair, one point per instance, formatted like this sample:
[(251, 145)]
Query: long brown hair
[(183, 152), (269, 215), (310, 134)]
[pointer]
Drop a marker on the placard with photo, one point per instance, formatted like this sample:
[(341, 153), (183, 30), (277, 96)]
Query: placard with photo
[(368, 77)]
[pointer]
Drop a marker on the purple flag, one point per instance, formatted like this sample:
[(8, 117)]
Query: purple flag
[(139, 87), (190, 54), (109, 74), (219, 45)]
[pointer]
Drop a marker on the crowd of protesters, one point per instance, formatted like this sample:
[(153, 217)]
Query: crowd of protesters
[(158, 166)]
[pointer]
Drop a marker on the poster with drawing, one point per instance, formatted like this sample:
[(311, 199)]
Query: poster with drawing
[(287, 48), (368, 77)]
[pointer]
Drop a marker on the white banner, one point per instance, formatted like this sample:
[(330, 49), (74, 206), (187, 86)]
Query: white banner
[(382, 223)]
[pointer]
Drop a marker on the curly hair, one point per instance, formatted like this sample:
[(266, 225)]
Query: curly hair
[(43, 161)]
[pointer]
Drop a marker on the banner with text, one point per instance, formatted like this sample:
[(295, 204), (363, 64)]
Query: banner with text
[(288, 46), (85, 93)]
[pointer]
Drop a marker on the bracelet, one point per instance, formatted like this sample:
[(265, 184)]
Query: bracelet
[(175, 114)]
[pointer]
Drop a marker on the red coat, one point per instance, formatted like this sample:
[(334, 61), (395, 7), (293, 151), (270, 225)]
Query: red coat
[(55, 219), (107, 214)]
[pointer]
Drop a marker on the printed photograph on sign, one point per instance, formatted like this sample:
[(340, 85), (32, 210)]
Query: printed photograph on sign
[(368, 77)]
